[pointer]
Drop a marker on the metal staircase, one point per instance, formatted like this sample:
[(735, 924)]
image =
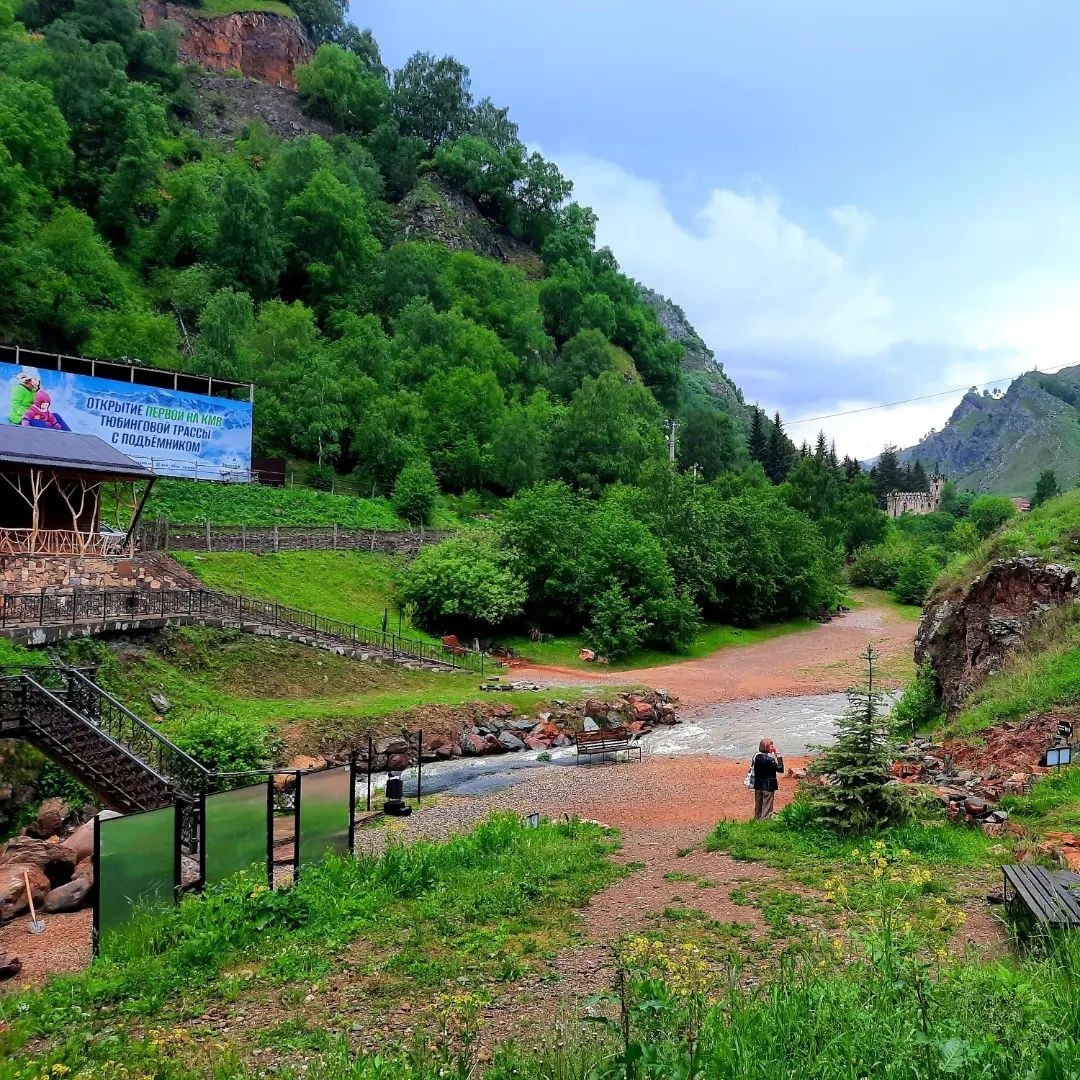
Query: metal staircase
[(92, 736)]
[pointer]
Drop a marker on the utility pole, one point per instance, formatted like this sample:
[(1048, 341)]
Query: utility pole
[(671, 425)]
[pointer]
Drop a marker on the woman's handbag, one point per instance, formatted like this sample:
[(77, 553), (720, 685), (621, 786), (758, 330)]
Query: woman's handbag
[(748, 781)]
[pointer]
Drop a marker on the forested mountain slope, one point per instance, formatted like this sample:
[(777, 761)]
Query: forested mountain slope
[(414, 287), (1002, 443)]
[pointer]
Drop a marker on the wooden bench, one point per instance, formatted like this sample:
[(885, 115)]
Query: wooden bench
[(592, 744), (1042, 896)]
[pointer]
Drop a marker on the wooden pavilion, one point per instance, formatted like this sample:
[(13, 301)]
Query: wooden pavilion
[(55, 487)]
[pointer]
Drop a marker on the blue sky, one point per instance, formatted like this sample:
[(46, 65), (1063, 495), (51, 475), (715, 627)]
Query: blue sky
[(853, 202)]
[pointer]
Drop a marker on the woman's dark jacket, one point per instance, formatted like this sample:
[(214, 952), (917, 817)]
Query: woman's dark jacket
[(766, 768)]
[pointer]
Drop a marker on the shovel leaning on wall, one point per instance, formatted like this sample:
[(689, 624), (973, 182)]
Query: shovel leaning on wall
[(37, 926)]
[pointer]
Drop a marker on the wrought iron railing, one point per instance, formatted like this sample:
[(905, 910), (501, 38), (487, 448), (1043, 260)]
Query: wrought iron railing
[(54, 608), (163, 757), (42, 698)]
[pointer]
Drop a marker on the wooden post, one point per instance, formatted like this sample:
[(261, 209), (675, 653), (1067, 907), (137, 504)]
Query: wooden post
[(208, 548), (243, 538), (275, 538), (335, 536)]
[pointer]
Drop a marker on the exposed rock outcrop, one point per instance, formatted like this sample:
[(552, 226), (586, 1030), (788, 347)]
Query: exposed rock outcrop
[(257, 44), (965, 636), (227, 105)]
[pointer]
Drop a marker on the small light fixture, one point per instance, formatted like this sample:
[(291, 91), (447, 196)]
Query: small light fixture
[(532, 821)]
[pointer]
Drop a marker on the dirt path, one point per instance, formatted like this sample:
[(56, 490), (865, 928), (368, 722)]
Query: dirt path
[(823, 659)]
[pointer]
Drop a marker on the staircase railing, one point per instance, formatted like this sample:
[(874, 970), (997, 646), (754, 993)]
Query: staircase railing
[(48, 698), (57, 608), (162, 756)]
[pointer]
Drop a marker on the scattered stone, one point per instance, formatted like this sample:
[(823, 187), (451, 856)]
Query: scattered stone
[(510, 741), (81, 841), (161, 703), (10, 965), (587, 655)]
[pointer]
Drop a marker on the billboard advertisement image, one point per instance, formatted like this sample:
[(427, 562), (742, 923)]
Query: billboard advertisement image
[(173, 432)]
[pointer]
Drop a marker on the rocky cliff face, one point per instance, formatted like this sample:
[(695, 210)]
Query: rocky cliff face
[(1001, 444), (257, 44), (699, 360), (967, 636)]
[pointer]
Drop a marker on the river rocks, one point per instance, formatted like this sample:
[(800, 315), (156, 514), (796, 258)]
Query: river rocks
[(510, 741), (10, 964), (966, 635), (393, 745), (161, 703)]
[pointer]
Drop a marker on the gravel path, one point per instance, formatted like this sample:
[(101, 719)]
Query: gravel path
[(821, 660)]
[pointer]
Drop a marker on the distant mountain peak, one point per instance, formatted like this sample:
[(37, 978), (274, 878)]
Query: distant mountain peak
[(1001, 442)]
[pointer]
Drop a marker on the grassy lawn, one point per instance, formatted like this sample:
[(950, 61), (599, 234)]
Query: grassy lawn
[(308, 965), (315, 699), (563, 651), (355, 586)]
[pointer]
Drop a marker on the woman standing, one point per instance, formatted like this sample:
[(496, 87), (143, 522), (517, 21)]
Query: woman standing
[(768, 764)]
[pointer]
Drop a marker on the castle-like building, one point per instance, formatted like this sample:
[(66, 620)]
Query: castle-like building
[(915, 502)]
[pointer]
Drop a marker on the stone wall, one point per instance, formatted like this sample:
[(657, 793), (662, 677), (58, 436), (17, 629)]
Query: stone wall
[(32, 573), (257, 44)]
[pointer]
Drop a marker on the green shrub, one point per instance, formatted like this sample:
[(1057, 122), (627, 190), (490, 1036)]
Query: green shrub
[(878, 566), (916, 576), (320, 477), (989, 512), (416, 491), (229, 743), (919, 708), (469, 581), (617, 627)]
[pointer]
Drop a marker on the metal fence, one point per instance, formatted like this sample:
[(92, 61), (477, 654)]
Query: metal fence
[(56, 608)]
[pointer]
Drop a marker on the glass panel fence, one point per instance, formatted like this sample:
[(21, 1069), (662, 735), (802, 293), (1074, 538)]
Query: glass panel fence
[(235, 831), (325, 813)]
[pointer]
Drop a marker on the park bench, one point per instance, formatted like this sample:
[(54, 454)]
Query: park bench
[(1044, 897), (592, 744)]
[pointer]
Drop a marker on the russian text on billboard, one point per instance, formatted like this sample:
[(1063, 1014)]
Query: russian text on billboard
[(173, 432)]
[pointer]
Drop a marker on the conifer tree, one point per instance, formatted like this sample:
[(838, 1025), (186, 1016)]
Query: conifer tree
[(859, 794), (779, 453), (919, 481), (887, 474), (757, 443), (821, 448), (1046, 487)]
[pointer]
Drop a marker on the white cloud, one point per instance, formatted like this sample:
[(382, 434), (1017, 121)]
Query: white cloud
[(797, 320), (855, 224), (748, 275)]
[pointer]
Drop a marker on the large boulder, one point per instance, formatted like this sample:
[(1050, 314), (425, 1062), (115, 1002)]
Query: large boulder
[(51, 818), (55, 861), (13, 888), (81, 841), (70, 897), (10, 965), (510, 741)]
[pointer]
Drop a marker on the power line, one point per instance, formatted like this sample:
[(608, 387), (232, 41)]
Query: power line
[(923, 397)]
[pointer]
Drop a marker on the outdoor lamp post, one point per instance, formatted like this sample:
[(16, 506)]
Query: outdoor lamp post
[(394, 804)]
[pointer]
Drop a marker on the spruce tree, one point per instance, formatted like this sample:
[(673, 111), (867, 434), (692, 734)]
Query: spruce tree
[(919, 481), (1046, 487), (887, 474), (859, 793), (821, 449), (779, 453), (757, 443)]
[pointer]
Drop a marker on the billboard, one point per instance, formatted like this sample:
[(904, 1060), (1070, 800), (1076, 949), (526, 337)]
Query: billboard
[(173, 432)]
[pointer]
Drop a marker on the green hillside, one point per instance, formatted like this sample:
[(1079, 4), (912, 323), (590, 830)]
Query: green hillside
[(1001, 443)]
